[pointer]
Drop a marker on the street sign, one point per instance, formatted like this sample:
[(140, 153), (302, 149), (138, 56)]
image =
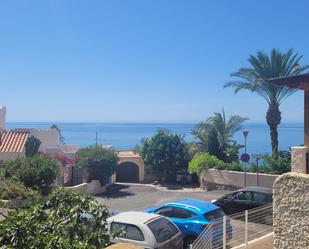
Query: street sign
[(245, 157)]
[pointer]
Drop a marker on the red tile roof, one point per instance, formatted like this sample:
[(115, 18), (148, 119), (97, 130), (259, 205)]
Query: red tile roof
[(13, 141)]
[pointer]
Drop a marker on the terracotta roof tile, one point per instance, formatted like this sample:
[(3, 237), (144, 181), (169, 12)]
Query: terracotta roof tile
[(13, 141)]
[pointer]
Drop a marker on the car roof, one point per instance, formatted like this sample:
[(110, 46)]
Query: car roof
[(133, 217), (258, 189), (196, 206)]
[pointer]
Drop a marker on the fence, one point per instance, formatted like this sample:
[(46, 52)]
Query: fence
[(237, 229)]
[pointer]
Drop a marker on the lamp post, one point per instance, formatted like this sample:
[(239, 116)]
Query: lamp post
[(245, 133), (257, 157)]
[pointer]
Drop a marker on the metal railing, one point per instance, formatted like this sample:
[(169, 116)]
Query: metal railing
[(237, 229)]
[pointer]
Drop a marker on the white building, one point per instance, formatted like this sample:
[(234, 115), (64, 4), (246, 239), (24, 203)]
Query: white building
[(13, 142)]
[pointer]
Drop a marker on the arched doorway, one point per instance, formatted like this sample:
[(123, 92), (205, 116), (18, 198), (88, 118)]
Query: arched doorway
[(127, 172)]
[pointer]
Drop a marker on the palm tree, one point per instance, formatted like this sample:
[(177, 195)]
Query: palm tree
[(216, 134), (256, 79)]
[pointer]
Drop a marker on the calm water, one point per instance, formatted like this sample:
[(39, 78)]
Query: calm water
[(126, 136)]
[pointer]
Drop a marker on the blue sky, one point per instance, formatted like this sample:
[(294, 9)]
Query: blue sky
[(140, 60)]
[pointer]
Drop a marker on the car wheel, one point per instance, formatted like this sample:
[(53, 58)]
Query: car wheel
[(188, 241)]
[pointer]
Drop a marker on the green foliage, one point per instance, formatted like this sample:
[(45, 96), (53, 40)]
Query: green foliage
[(37, 172), (165, 151), (278, 163), (194, 148), (216, 135), (204, 161), (100, 162), (207, 161), (32, 146), (10, 189), (73, 221)]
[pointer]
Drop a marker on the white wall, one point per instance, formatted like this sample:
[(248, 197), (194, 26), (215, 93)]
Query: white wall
[(2, 117)]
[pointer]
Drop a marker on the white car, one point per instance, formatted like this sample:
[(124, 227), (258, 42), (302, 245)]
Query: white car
[(146, 230)]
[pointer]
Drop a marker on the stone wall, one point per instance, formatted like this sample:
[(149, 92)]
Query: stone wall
[(92, 188), (211, 177), (291, 213)]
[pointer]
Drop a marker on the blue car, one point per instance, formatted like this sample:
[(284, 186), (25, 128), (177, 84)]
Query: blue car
[(192, 217)]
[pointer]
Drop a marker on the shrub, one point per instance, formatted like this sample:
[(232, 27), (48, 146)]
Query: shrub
[(204, 161), (100, 162), (165, 152), (37, 172), (73, 221), (10, 189), (32, 146)]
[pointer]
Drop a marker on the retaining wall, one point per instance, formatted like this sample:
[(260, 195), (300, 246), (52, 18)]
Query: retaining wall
[(92, 188), (211, 177)]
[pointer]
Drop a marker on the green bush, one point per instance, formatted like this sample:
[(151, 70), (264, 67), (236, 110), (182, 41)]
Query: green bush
[(37, 172), (206, 161), (65, 225), (10, 189), (100, 162)]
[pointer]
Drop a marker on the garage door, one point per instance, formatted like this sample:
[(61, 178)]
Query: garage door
[(127, 172)]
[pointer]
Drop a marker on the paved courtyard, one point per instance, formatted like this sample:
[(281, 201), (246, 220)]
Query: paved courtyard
[(135, 197)]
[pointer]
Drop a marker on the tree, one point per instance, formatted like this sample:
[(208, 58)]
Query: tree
[(32, 146), (165, 152), (73, 221), (100, 162), (216, 134), (35, 172), (256, 79), (56, 127)]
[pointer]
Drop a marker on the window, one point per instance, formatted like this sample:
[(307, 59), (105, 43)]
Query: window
[(214, 215), (181, 213), (165, 211), (243, 196), (162, 229), (259, 197), (128, 231)]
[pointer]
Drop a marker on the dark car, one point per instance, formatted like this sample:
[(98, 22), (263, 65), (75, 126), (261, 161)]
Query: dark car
[(244, 199)]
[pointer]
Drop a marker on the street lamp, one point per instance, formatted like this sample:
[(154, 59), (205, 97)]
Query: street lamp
[(245, 133), (257, 157)]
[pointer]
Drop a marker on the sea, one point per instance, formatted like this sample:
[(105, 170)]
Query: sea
[(124, 136)]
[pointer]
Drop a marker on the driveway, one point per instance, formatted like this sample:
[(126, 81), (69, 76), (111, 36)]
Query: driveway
[(135, 197)]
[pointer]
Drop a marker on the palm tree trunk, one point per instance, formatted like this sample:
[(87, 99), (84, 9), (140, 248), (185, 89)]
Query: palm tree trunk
[(273, 118)]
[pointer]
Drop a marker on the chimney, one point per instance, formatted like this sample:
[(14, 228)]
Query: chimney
[(2, 117)]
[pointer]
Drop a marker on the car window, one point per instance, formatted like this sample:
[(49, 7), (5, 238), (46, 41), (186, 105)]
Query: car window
[(214, 215), (181, 213), (165, 211), (128, 231), (259, 197), (231, 196), (162, 229), (243, 196)]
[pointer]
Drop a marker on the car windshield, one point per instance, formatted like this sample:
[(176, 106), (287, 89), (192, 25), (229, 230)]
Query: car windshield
[(162, 229), (214, 215)]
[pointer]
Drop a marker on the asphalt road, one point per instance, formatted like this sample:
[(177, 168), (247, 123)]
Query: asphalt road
[(139, 197)]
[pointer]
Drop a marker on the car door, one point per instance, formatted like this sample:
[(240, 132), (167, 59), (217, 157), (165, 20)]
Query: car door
[(259, 199), (242, 201), (180, 217), (226, 203)]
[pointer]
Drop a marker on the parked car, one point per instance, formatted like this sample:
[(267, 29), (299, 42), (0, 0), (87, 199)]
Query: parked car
[(244, 199), (149, 231), (192, 217)]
